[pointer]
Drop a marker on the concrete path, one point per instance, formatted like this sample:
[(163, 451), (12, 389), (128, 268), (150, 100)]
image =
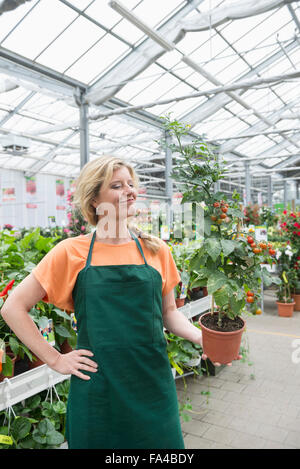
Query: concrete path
[(254, 404)]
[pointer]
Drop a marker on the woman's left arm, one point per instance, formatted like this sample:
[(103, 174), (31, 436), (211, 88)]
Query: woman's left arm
[(175, 321)]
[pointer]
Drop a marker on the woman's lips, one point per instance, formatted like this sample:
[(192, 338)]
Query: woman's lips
[(127, 201)]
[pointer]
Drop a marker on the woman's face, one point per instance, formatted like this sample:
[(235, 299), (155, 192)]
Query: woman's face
[(118, 198)]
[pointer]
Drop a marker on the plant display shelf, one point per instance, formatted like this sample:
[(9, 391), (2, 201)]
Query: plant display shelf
[(191, 310), (194, 308), (28, 384), (270, 268), (39, 379)]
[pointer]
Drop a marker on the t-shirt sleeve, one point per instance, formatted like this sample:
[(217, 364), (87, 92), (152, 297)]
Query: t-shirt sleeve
[(57, 276), (171, 276)]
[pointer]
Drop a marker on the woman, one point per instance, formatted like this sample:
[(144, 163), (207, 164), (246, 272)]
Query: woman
[(122, 392)]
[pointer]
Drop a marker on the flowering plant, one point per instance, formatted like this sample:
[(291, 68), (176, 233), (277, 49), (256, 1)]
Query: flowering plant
[(290, 226), (76, 223), (252, 215)]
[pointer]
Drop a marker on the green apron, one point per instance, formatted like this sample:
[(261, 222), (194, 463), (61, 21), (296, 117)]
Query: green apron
[(131, 401)]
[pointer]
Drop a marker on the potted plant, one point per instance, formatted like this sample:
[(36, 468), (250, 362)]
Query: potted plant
[(296, 294), (285, 303), (228, 262)]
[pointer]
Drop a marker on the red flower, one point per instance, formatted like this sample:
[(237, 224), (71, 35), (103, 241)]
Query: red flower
[(8, 287), (293, 215), (284, 212)]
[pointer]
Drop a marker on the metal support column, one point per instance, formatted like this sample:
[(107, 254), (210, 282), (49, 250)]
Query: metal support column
[(285, 188), (247, 183), (270, 190), (84, 126), (169, 181)]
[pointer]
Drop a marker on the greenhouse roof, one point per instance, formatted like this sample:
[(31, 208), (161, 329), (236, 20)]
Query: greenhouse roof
[(229, 68)]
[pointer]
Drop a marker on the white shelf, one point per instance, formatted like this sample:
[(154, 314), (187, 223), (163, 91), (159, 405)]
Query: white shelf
[(28, 384), (270, 268), (196, 307), (32, 382)]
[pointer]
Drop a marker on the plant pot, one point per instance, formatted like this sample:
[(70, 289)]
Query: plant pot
[(285, 310), (35, 363), (13, 358), (296, 298), (221, 347), (179, 302), (65, 347), (204, 289)]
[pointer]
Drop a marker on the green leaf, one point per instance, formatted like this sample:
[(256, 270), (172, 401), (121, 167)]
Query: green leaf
[(267, 277), (62, 331), (213, 248), (55, 438), (215, 281), (62, 314), (14, 345), (207, 226), (222, 295), (7, 366), (227, 246), (20, 428), (60, 407), (236, 305), (43, 322)]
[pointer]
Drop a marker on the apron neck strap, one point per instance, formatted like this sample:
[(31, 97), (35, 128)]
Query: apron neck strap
[(89, 258), (138, 245)]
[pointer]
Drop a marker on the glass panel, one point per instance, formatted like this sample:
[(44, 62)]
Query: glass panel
[(102, 12), (143, 80), (128, 31), (153, 16), (46, 20), (9, 19), (161, 86), (97, 59), (79, 37)]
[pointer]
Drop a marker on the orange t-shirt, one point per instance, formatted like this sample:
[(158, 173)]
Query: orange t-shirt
[(57, 271)]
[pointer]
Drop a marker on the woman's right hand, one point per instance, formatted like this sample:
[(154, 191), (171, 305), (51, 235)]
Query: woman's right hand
[(72, 362)]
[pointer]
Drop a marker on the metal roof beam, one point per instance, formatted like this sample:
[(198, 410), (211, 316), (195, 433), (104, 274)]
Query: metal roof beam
[(17, 108), (219, 89), (139, 59), (214, 104), (32, 72)]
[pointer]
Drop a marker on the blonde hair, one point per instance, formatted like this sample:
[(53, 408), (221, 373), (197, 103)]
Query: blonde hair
[(97, 174)]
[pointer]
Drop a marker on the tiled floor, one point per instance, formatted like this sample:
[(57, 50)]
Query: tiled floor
[(255, 404)]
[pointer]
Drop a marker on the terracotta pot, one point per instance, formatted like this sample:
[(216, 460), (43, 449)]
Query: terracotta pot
[(35, 363), (285, 310), (13, 358), (65, 347), (221, 347), (204, 291), (296, 298), (179, 302)]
